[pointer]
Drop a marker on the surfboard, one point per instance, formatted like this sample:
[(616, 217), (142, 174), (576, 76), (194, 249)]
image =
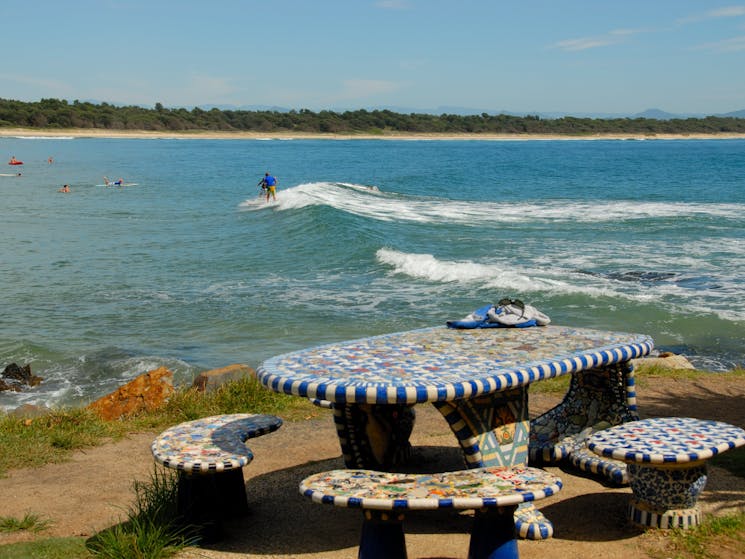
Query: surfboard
[(8, 174), (123, 184)]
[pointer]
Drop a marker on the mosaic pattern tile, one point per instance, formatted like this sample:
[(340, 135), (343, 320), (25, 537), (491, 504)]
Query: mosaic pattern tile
[(596, 399), (212, 444), (667, 440), (667, 469), (441, 364), (614, 471), (465, 489)]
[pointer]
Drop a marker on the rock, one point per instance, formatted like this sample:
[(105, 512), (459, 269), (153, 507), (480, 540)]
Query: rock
[(146, 392), (30, 411), (12, 386), (207, 381), (19, 377), (665, 359)]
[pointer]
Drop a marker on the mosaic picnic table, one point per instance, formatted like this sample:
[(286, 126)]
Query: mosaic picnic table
[(478, 379)]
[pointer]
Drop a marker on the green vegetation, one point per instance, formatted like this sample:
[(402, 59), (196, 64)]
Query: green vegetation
[(151, 530), (722, 536), (59, 114), (51, 548), (29, 522), (52, 438)]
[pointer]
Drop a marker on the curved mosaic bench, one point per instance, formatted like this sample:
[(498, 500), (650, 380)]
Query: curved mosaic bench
[(667, 467), (493, 492), (596, 399), (199, 450)]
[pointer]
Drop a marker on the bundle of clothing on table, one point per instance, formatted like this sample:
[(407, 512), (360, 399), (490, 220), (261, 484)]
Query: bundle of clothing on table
[(506, 313)]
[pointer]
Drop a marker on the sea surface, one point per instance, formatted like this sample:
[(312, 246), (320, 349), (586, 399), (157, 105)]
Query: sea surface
[(191, 269)]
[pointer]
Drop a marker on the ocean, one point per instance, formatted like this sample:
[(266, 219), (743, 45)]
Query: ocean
[(192, 270)]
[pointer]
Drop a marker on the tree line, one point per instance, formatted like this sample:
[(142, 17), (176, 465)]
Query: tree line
[(60, 114)]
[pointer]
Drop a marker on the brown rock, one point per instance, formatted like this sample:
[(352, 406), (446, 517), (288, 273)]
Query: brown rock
[(12, 386), (665, 359), (207, 381), (19, 376), (146, 392), (30, 411)]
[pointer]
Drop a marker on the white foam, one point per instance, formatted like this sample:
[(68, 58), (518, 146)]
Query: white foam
[(44, 137), (504, 275), (372, 203)]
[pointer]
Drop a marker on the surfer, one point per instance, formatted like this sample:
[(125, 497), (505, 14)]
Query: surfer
[(65, 188), (13, 160), (107, 182), (269, 185)]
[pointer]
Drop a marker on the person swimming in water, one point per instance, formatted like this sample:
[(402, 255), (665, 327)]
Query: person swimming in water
[(65, 188), (107, 182)]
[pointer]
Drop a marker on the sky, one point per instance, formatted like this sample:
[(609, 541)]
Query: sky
[(519, 56)]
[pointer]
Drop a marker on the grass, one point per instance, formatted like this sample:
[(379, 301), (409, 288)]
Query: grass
[(152, 530), (29, 522), (51, 548), (716, 537), (53, 437)]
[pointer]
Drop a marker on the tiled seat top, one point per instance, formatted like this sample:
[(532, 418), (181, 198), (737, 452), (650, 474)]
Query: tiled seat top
[(666, 440), (212, 444), (465, 489)]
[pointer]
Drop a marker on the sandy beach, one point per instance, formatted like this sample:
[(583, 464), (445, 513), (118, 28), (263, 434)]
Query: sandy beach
[(210, 135)]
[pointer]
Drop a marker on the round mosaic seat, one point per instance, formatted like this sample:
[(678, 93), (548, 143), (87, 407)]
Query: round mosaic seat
[(667, 466), (493, 492), (209, 454)]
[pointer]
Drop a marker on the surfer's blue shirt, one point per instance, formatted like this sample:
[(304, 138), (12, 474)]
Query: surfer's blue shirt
[(269, 180)]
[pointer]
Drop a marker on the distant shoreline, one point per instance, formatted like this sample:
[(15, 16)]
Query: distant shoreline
[(210, 135)]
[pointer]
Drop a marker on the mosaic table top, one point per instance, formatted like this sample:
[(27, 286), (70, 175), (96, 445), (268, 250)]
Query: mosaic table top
[(212, 444), (442, 364), (465, 489), (666, 440)]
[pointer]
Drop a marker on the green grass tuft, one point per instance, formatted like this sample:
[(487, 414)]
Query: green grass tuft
[(29, 522), (707, 540), (151, 530)]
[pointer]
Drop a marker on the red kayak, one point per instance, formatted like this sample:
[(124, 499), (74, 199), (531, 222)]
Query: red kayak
[(15, 162)]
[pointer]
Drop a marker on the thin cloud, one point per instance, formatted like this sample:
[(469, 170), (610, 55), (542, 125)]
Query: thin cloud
[(392, 4), (719, 13), (735, 44), (584, 43)]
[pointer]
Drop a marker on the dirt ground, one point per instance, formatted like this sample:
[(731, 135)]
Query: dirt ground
[(94, 489)]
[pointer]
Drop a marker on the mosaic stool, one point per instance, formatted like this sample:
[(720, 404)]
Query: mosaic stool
[(667, 467), (201, 449), (493, 492)]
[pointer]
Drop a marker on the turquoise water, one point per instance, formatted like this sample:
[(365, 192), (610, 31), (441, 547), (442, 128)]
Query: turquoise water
[(190, 269)]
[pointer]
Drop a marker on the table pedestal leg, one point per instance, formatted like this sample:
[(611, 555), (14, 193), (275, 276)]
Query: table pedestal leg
[(493, 534), (373, 436), (597, 399), (493, 430), (666, 496), (382, 536)]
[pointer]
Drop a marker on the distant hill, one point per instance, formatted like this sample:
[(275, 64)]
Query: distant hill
[(735, 114)]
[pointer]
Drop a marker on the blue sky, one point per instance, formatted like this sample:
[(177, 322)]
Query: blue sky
[(524, 56)]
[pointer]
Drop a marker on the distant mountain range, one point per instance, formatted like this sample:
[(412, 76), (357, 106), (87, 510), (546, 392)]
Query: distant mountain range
[(657, 114)]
